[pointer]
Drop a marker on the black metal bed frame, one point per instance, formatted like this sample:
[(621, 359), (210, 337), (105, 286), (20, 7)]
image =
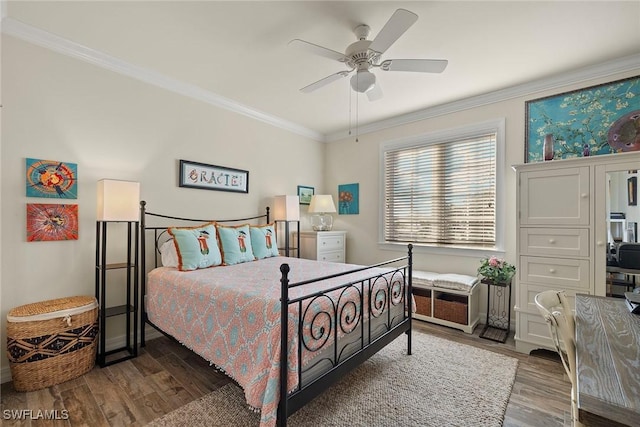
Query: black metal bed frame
[(377, 294)]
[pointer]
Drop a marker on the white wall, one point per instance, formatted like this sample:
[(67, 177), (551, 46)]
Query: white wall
[(362, 241), (111, 126)]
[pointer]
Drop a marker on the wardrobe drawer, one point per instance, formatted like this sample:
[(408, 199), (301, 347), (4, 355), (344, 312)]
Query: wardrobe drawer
[(555, 241), (556, 273), (528, 292)]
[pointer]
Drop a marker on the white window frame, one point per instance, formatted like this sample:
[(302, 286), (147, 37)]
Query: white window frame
[(453, 134)]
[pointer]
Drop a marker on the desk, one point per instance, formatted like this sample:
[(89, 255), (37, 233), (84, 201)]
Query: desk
[(608, 361)]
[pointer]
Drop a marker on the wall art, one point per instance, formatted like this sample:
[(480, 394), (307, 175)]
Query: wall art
[(48, 222), (602, 119), (52, 179), (305, 193), (348, 195), (212, 177)]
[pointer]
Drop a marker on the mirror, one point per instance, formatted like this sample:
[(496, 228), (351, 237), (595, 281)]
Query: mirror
[(623, 214)]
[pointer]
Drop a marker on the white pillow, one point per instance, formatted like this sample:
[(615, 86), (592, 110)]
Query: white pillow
[(169, 254)]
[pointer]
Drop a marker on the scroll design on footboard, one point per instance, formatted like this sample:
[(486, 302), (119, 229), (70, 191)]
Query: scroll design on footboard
[(335, 325), (335, 330)]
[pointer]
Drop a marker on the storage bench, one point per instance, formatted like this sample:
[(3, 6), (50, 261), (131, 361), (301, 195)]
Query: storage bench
[(447, 299)]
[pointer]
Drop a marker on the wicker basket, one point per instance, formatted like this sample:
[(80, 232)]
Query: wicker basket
[(451, 307), (422, 298), (51, 342)]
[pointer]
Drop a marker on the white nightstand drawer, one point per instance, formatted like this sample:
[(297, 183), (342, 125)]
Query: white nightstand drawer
[(334, 256), (323, 245), (330, 243)]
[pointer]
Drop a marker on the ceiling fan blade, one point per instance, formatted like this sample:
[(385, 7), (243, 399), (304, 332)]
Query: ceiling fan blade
[(318, 50), (396, 26), (375, 92), (415, 65), (324, 82)]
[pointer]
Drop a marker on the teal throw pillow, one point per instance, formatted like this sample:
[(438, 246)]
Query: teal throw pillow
[(263, 241), (197, 247), (235, 243)]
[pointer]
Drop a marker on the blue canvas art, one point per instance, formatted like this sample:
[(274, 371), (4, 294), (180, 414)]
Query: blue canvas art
[(52, 179), (348, 195), (601, 119)]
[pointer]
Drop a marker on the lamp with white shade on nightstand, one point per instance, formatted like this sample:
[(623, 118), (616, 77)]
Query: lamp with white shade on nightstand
[(322, 207)]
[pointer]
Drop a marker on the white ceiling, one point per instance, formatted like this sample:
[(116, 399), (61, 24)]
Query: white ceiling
[(238, 50)]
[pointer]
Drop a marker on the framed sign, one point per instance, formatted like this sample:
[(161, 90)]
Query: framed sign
[(212, 177), (586, 122)]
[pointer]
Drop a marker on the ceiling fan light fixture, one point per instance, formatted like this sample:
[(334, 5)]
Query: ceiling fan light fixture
[(363, 81)]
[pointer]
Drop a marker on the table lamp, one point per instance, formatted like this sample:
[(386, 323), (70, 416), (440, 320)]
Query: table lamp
[(321, 207)]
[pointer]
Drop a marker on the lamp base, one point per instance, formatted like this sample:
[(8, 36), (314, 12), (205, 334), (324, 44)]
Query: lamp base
[(322, 222)]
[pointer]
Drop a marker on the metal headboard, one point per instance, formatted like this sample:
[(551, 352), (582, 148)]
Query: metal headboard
[(160, 232)]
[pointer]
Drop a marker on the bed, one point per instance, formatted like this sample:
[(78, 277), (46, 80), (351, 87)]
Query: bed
[(337, 316)]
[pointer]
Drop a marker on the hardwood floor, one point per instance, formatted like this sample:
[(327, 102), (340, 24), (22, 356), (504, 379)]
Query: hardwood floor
[(167, 375)]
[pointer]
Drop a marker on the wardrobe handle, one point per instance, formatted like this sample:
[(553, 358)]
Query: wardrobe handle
[(552, 241), (584, 195), (552, 270)]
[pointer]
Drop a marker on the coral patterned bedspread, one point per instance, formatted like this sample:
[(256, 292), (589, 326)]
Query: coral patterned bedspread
[(230, 315)]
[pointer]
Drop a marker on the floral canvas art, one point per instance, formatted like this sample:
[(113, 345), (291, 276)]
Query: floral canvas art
[(603, 119), (348, 195)]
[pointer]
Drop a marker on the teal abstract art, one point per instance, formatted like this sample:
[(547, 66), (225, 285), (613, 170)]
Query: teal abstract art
[(52, 179)]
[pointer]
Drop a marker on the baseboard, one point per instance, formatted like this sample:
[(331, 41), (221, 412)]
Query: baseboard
[(115, 342)]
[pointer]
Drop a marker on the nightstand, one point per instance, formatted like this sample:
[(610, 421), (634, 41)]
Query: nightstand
[(323, 245)]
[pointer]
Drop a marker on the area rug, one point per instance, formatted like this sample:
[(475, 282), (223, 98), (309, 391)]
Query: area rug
[(442, 383)]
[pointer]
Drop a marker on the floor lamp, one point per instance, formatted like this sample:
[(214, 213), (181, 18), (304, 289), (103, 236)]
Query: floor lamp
[(287, 209)]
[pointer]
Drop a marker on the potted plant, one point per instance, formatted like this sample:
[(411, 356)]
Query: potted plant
[(496, 271)]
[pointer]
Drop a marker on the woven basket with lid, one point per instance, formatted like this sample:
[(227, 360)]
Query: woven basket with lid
[(50, 342)]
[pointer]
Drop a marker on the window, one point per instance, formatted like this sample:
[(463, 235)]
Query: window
[(441, 189)]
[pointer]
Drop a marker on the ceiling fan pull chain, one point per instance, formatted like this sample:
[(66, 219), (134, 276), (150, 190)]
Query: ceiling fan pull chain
[(357, 117), (349, 89)]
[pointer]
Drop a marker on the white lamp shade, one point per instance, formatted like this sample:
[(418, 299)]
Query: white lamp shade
[(322, 203), (286, 208), (118, 200)]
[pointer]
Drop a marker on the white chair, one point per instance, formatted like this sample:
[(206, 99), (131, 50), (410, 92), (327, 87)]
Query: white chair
[(557, 312)]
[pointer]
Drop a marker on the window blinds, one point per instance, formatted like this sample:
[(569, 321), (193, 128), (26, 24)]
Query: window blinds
[(442, 193)]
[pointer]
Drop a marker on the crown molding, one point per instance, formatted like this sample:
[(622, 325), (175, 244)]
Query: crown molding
[(66, 47), (628, 63), (69, 48)]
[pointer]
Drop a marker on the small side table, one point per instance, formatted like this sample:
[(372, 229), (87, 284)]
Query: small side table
[(497, 325)]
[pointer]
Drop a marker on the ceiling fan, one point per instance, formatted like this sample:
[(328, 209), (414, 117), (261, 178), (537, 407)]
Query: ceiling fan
[(364, 55)]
